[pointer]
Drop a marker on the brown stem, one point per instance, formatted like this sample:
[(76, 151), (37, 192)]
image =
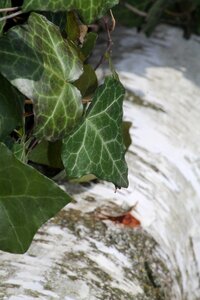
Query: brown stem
[(109, 40), (27, 114), (28, 101), (86, 100)]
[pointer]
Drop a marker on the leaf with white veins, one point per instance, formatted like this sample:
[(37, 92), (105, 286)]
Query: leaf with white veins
[(43, 66), (89, 10), (96, 146)]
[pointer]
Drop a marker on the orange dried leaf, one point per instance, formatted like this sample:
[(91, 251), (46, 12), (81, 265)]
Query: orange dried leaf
[(125, 219)]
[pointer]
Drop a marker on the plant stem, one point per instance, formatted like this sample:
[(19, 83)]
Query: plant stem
[(86, 100), (135, 10), (109, 40), (8, 9), (28, 101), (11, 15)]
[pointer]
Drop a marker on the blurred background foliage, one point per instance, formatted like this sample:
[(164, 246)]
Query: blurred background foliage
[(147, 14)]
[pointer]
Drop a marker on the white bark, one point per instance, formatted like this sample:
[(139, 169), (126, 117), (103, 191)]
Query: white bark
[(164, 158)]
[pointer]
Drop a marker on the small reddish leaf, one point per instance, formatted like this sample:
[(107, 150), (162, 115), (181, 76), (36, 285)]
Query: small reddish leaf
[(130, 221), (125, 219)]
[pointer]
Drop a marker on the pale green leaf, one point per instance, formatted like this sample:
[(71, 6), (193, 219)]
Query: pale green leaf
[(11, 108), (89, 10), (43, 66), (96, 147), (27, 200)]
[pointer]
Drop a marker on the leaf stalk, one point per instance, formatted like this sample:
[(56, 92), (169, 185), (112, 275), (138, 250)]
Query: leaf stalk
[(11, 16)]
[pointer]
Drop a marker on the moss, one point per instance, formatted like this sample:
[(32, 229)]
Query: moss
[(141, 250)]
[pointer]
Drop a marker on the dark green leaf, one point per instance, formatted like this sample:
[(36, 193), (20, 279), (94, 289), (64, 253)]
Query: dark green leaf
[(87, 83), (9, 142), (58, 18), (96, 147), (73, 31), (89, 10), (11, 108), (39, 154), (19, 150), (42, 66), (89, 43), (126, 134), (54, 154), (47, 153), (126, 17), (155, 14), (27, 200)]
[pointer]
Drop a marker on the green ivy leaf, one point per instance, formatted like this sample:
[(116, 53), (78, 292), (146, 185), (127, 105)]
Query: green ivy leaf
[(87, 83), (89, 10), (89, 43), (47, 153), (11, 108), (96, 147), (72, 26), (27, 200), (155, 14), (4, 4), (126, 17), (126, 134), (19, 150), (58, 18), (39, 154), (42, 65)]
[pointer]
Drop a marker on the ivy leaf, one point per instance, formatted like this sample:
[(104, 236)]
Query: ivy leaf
[(3, 4), (19, 150), (58, 18), (89, 10), (39, 154), (87, 83), (42, 65), (11, 108), (27, 200), (89, 43), (155, 14), (96, 147), (72, 26), (47, 153), (126, 134), (126, 17)]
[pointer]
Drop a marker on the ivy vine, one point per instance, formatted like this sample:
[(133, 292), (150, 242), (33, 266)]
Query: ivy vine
[(53, 113)]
